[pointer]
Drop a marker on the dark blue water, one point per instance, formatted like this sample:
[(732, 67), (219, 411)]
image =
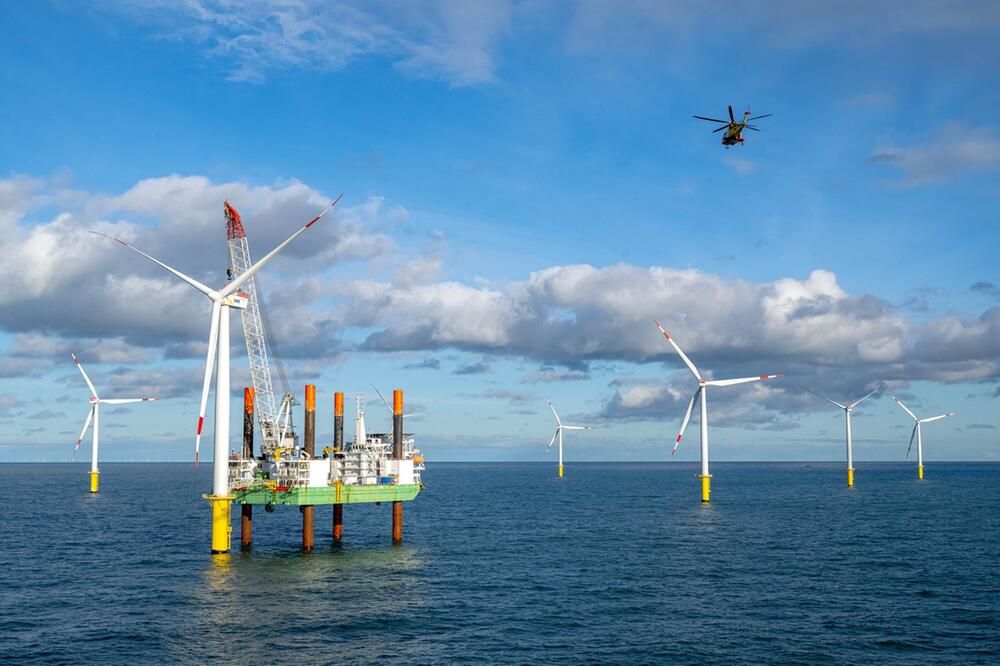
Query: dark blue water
[(505, 563)]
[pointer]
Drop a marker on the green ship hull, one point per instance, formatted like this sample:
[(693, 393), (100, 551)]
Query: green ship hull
[(328, 495)]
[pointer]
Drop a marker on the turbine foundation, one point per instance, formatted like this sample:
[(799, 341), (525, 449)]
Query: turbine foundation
[(850, 477), (93, 481), (920, 471), (220, 522), (706, 487), (560, 471)]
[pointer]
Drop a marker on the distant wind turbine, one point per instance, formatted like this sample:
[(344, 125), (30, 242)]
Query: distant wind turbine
[(847, 413), (916, 431), (94, 416), (702, 394), (560, 426)]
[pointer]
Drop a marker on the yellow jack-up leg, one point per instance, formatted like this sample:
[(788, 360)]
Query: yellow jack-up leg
[(920, 472), (221, 528), (560, 471), (706, 487), (93, 481), (850, 477)]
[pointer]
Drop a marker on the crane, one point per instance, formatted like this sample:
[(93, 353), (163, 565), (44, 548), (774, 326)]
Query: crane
[(276, 425)]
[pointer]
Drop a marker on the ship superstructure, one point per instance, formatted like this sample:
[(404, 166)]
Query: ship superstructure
[(365, 470)]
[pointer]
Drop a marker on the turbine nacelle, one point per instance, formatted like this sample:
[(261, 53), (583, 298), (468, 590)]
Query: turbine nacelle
[(239, 300)]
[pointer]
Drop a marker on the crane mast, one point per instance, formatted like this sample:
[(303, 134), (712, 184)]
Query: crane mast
[(275, 424)]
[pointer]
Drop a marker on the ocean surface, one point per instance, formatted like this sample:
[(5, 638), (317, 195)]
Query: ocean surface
[(506, 563)]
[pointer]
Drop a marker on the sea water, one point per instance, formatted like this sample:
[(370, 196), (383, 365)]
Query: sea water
[(507, 563)]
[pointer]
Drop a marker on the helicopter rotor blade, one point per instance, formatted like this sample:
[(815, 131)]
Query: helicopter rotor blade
[(731, 118), (763, 116), (726, 126), (752, 127), (714, 120)]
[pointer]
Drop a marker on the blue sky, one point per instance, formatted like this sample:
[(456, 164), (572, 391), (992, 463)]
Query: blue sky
[(525, 189)]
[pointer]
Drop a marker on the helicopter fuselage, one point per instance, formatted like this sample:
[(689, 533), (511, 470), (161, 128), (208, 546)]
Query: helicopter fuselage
[(733, 135)]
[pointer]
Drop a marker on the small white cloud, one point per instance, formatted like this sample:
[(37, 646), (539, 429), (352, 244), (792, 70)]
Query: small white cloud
[(951, 151), (741, 166)]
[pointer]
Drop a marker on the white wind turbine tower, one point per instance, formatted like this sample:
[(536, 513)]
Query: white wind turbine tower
[(94, 416), (560, 426), (916, 431), (848, 408), (218, 341), (702, 394)]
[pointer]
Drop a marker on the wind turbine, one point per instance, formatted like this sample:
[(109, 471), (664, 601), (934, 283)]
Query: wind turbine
[(916, 431), (847, 413), (94, 416), (702, 394), (559, 434), (223, 300)]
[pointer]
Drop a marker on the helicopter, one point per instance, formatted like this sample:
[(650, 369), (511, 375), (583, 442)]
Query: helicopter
[(734, 130)]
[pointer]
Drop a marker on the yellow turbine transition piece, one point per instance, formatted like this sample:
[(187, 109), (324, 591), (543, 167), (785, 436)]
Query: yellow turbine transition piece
[(706, 487), (850, 477), (920, 472), (93, 481), (221, 529), (560, 471)]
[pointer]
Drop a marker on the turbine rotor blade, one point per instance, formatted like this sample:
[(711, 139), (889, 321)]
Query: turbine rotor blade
[(186, 278), (213, 341), (742, 380), (687, 418), (906, 409), (830, 400), (125, 401), (90, 385), (250, 272), (937, 418), (554, 414), (83, 433), (912, 435), (384, 401), (553, 440), (683, 356), (870, 393)]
